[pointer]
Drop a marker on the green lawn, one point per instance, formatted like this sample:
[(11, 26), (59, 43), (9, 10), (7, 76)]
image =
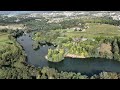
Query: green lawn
[(97, 30), (4, 40)]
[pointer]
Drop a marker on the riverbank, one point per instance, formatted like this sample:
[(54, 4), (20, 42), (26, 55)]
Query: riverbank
[(67, 55), (52, 61), (73, 64), (74, 56)]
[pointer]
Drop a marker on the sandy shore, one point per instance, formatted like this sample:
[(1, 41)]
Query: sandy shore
[(74, 56), (70, 55)]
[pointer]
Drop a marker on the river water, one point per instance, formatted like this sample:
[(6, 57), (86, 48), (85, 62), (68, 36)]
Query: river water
[(86, 65)]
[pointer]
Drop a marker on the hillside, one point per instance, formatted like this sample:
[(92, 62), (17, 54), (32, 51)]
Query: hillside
[(96, 30)]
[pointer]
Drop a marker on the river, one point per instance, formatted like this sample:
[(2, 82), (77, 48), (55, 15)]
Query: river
[(83, 65)]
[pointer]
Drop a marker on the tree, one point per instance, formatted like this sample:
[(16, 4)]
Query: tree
[(116, 56), (108, 75), (49, 53), (115, 47)]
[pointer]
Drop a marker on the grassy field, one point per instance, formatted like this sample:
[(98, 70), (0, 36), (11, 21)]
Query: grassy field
[(12, 26), (4, 40), (96, 29), (9, 47)]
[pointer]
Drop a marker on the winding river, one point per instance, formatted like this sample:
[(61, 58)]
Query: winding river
[(86, 66)]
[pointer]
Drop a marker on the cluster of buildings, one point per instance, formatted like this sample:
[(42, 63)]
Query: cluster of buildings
[(57, 16)]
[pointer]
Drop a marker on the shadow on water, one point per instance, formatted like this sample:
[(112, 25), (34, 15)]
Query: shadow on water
[(84, 65), (88, 66)]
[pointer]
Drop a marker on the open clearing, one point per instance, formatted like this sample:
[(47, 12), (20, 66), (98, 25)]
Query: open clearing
[(96, 29), (12, 26), (4, 40)]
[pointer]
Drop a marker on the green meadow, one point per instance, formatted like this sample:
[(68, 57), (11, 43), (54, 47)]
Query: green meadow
[(96, 29)]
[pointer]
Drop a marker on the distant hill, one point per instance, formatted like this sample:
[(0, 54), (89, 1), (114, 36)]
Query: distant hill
[(114, 14), (20, 12)]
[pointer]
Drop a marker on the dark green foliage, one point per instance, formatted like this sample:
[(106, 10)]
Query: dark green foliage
[(14, 33), (115, 49), (103, 20), (115, 46), (46, 36), (108, 75), (71, 23), (13, 62)]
